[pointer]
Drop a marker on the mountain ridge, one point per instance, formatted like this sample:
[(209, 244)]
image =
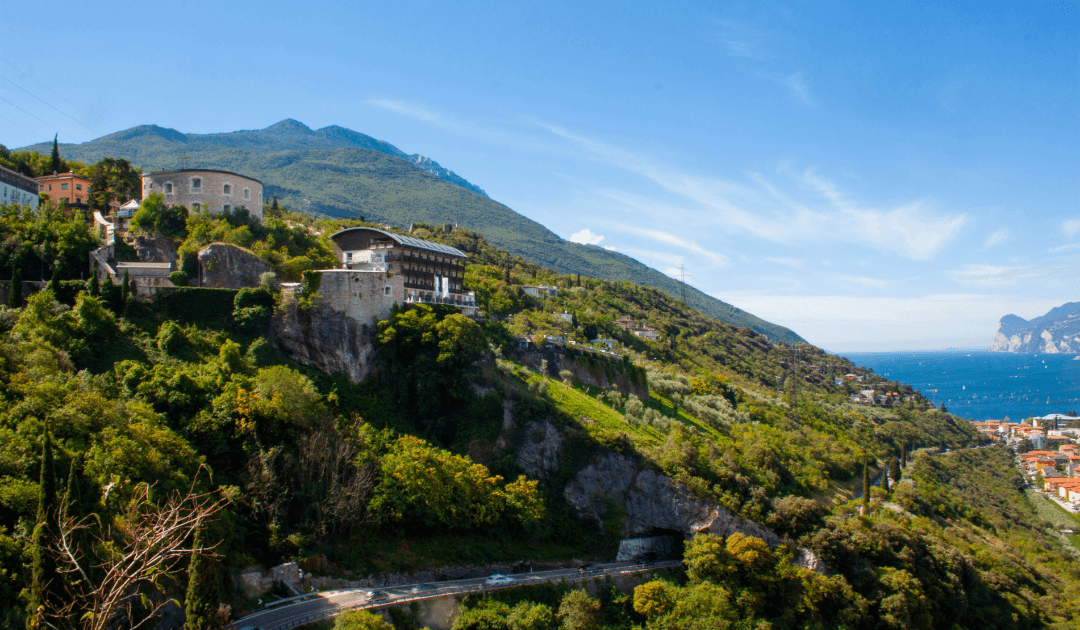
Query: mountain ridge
[(1057, 331), (335, 171)]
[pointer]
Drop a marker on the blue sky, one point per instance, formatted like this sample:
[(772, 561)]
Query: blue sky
[(877, 178)]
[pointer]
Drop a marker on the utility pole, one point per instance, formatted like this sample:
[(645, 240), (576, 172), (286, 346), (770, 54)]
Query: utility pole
[(682, 282)]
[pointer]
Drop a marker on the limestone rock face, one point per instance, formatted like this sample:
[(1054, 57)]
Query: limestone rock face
[(652, 501), (226, 266), (1058, 331), (326, 340), (155, 250), (597, 372), (539, 452)]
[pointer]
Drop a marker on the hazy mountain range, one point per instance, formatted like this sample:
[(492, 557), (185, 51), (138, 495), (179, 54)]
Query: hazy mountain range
[(338, 172), (1056, 332)]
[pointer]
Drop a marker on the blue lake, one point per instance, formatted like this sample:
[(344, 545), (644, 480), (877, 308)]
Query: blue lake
[(985, 385)]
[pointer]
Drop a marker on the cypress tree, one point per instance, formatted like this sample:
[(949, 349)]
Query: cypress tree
[(124, 289), (57, 163), (866, 485), (885, 479), (54, 282), (95, 288), (203, 595), (44, 575), (15, 297), (894, 470)]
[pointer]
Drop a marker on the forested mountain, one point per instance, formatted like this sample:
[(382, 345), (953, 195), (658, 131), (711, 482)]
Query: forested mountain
[(336, 172), (122, 418)]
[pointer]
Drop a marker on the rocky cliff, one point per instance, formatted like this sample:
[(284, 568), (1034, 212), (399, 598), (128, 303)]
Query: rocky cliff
[(1058, 331), (596, 371), (224, 266), (652, 501), (324, 339)]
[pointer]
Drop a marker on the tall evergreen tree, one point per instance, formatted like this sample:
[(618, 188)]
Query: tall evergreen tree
[(124, 289), (44, 575), (885, 479), (95, 288), (54, 282), (866, 484), (203, 594), (57, 163), (894, 470), (15, 296)]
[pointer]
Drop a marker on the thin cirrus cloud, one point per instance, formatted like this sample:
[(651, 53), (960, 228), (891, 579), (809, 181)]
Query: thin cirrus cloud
[(910, 230), (977, 275), (794, 263), (997, 237), (718, 260), (1071, 227)]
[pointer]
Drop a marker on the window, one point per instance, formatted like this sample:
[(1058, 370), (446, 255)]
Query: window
[(168, 188), (226, 208), (226, 189), (247, 193), (78, 186), (196, 184), (63, 186), (388, 291), (195, 207)]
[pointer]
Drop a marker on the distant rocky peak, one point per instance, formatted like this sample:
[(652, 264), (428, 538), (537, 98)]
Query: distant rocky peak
[(290, 126), (1058, 331)]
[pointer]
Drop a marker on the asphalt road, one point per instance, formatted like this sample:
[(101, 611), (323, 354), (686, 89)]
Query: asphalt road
[(330, 603)]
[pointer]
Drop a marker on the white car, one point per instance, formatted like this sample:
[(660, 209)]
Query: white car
[(498, 580)]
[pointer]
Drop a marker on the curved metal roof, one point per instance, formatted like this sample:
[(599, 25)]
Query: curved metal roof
[(410, 241)]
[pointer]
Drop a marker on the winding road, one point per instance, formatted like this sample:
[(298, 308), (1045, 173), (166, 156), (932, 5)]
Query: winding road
[(309, 608)]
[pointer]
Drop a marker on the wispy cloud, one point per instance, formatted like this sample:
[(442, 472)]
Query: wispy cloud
[(794, 263), (1064, 248), (799, 87), (1071, 227), (998, 276), (418, 112), (586, 237), (864, 281), (997, 237), (718, 260)]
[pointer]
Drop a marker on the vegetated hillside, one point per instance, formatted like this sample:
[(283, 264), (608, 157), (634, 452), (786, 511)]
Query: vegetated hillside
[(416, 467), (336, 172)]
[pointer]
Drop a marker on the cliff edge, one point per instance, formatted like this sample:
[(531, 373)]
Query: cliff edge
[(1058, 331)]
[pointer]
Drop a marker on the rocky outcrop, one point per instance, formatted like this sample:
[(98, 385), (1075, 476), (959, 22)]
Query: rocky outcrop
[(155, 250), (324, 339), (652, 501), (1056, 332), (224, 266), (540, 449), (590, 370)]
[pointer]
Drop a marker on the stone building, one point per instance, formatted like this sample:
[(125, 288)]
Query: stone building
[(206, 190), (17, 188), (67, 187), (380, 269)]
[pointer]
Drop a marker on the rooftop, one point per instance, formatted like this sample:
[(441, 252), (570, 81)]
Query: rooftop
[(409, 241)]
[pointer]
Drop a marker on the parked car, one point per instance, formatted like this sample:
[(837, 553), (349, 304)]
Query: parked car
[(375, 596), (499, 579), (588, 568), (422, 588)]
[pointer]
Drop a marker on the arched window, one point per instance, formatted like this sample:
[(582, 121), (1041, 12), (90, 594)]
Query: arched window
[(226, 189), (196, 184), (247, 193)]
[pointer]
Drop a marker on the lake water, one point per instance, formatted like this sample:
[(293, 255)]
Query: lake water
[(985, 385)]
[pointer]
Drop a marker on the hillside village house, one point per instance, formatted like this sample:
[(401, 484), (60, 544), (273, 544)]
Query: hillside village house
[(380, 269), (17, 188), (637, 330), (541, 291), (72, 189), (206, 190)]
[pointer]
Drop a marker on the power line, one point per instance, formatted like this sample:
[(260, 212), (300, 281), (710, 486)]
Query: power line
[(44, 101), (682, 281)]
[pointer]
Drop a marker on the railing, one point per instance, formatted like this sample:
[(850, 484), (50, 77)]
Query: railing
[(333, 610)]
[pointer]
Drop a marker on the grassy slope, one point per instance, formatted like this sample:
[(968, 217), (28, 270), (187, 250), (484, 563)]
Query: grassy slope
[(342, 173)]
